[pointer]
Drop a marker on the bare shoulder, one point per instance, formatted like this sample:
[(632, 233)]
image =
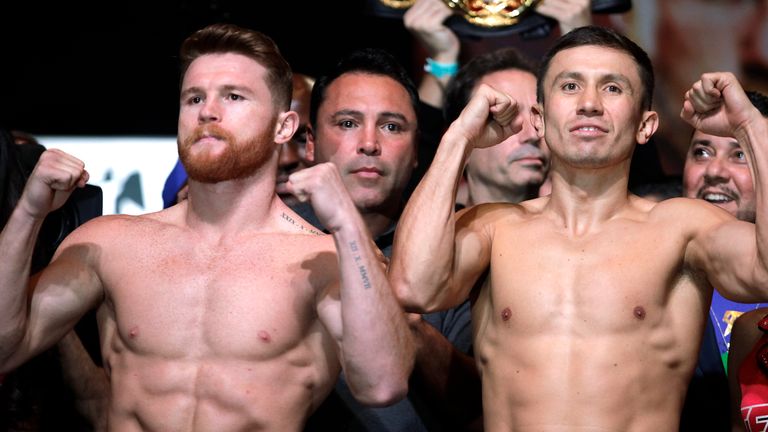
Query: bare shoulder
[(692, 214), (108, 229), (494, 213)]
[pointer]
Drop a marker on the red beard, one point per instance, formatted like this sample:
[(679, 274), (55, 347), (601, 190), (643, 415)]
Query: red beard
[(237, 161)]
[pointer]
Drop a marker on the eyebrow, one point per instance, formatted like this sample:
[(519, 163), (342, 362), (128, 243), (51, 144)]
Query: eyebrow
[(223, 89), (355, 113), (732, 143), (395, 115), (603, 78)]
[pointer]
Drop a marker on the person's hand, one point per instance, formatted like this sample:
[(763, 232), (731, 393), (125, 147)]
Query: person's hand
[(51, 183), (488, 119), (425, 21), (321, 185), (569, 13), (717, 105)]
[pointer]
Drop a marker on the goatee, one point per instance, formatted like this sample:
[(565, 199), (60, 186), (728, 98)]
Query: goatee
[(238, 160)]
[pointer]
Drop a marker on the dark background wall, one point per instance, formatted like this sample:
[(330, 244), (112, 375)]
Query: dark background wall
[(108, 67)]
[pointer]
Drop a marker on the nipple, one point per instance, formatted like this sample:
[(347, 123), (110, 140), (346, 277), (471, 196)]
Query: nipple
[(639, 312), (264, 336), (506, 314)]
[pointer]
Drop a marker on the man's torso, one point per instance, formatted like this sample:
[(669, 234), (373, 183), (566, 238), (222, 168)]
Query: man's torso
[(201, 336), (598, 330)]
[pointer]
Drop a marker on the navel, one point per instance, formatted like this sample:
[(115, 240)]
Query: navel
[(506, 314), (639, 312)]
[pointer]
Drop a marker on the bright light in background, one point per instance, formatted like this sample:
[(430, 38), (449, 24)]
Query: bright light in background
[(131, 171)]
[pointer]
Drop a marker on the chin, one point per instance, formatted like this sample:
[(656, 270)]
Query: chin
[(367, 202)]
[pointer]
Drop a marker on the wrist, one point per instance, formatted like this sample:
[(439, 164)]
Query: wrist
[(441, 69)]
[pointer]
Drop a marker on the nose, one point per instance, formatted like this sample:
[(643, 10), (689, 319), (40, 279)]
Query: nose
[(716, 171), (369, 143), (209, 111), (590, 103)]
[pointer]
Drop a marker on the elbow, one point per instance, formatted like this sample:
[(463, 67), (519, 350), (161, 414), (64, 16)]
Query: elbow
[(388, 386), (384, 394), (412, 300), (403, 294)]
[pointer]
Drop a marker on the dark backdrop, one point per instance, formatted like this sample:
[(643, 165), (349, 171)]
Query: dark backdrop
[(108, 67)]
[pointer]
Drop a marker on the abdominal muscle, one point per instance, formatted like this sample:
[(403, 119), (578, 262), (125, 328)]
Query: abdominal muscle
[(564, 384), (214, 393)]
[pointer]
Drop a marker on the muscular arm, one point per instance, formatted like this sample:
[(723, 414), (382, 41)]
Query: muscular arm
[(34, 317), (363, 314), (733, 254), (436, 259)]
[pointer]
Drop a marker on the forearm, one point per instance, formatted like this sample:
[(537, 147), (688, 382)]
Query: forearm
[(17, 242), (753, 135), (377, 349), (423, 251)]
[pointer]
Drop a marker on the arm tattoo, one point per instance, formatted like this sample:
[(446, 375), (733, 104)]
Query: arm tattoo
[(361, 268), (301, 226)]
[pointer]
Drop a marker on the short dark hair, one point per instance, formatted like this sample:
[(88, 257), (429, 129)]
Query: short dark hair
[(460, 88), (604, 37), (229, 38), (371, 61), (759, 100)]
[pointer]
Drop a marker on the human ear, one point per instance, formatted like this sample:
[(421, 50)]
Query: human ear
[(286, 126), (647, 127)]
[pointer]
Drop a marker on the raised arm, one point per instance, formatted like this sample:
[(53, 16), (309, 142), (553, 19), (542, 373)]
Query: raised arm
[(436, 259), (570, 14), (425, 20), (375, 343), (733, 254), (34, 315)]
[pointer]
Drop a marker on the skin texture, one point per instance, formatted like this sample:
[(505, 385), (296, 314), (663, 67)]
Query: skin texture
[(590, 292), (716, 170), (225, 311)]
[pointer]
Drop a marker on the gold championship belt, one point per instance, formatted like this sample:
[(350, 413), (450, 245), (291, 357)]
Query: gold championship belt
[(492, 13), (484, 13), (488, 18)]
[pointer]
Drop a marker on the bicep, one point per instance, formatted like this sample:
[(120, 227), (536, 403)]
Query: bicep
[(61, 294), (329, 311), (472, 255), (727, 252)]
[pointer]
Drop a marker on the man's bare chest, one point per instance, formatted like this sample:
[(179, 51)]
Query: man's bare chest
[(244, 301)]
